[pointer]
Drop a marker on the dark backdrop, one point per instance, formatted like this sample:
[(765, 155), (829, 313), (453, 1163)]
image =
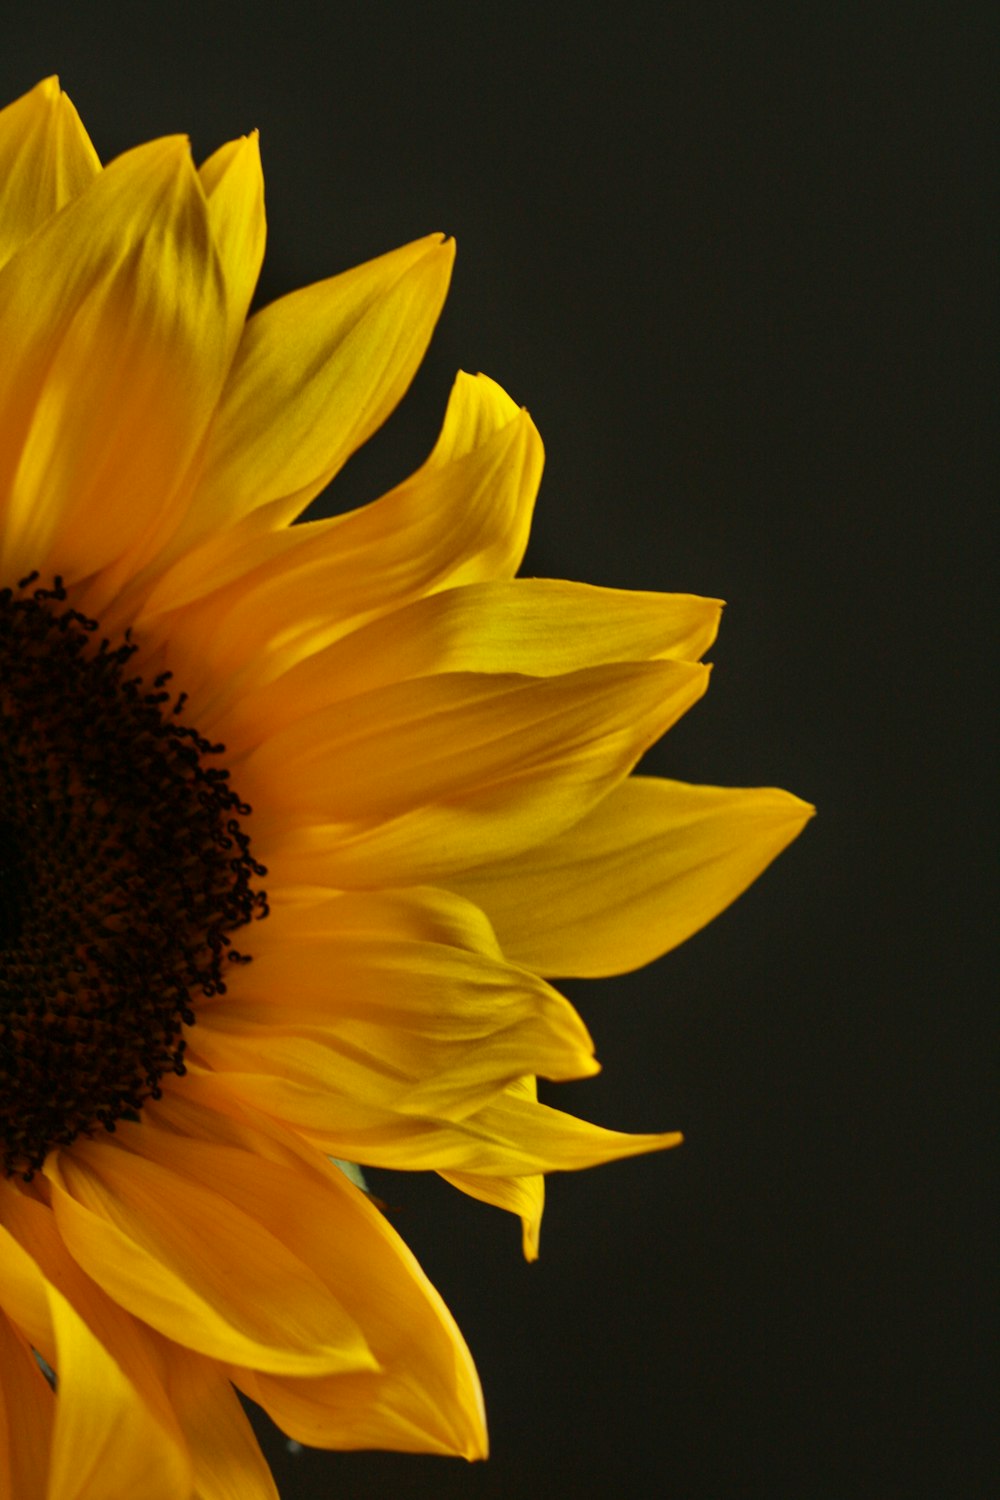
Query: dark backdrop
[(731, 257)]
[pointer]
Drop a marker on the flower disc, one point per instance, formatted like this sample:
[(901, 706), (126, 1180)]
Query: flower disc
[(123, 870)]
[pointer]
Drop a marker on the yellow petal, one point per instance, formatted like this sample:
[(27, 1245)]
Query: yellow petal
[(234, 187), (447, 766), (227, 1461), (168, 1249), (27, 1413), (316, 373), (32, 1223), (410, 1026), (523, 1196), (272, 597), (46, 159), (112, 324), (376, 1015), (424, 1395), (536, 626), (424, 914), (510, 1137), (648, 867), (106, 1443)]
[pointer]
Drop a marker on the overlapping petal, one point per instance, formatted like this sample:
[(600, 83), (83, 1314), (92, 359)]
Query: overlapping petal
[(105, 1444), (532, 626), (242, 607), (178, 1255), (113, 327), (497, 761), (423, 1393), (227, 1463), (233, 183), (408, 1025), (46, 159), (27, 1415)]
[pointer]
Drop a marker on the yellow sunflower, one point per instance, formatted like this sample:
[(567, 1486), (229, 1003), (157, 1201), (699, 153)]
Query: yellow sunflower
[(295, 823)]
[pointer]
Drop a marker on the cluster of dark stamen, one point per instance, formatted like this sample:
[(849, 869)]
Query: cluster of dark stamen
[(124, 870)]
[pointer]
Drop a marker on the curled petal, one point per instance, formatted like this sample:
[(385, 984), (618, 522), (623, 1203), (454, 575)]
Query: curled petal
[(270, 598), (315, 374)]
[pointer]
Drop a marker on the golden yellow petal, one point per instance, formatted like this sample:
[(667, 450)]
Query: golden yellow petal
[(112, 324), (27, 1414), (648, 867), (424, 1395), (317, 372), (408, 1025), (524, 1196), (226, 1459), (46, 159), (510, 1137), (269, 599), (445, 767), (22, 1293), (424, 914), (444, 738), (165, 1247), (234, 187), (131, 1344), (102, 1426), (535, 626)]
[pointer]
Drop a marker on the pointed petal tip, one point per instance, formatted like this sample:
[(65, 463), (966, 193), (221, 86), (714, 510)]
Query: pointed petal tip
[(791, 809), (445, 246), (49, 88)]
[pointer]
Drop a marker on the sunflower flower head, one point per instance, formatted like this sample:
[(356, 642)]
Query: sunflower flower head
[(297, 824)]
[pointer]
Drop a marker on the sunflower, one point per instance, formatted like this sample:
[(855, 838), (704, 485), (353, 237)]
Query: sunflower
[(296, 824)]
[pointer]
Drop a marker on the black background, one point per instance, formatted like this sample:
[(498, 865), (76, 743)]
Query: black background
[(732, 258)]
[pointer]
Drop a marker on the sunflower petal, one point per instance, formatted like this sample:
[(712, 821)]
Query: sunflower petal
[(46, 159), (649, 866), (445, 766), (102, 1426), (379, 1016), (535, 626), (113, 330), (228, 1463), (316, 373), (27, 1414), (425, 1395), (512, 1136), (523, 1196), (234, 188), (166, 1248), (462, 517)]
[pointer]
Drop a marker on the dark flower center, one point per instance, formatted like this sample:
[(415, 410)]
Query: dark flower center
[(124, 869)]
